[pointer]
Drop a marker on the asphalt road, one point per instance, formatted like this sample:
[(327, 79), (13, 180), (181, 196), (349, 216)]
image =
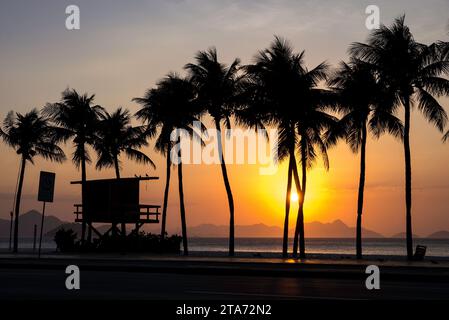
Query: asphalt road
[(50, 284)]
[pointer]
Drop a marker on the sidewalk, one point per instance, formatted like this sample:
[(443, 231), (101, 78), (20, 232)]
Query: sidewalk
[(335, 268)]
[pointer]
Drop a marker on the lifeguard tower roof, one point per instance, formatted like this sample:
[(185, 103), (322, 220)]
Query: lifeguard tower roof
[(115, 179)]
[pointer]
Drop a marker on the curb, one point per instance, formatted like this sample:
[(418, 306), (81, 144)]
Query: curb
[(397, 273)]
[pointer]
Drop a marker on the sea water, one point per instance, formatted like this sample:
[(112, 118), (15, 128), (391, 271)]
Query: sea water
[(332, 246)]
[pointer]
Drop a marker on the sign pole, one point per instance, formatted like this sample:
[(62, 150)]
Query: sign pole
[(42, 228), (34, 237), (45, 194), (10, 231)]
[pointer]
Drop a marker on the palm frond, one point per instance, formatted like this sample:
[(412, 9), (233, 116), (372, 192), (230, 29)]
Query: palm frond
[(31, 135), (383, 121), (446, 137), (139, 157), (431, 109)]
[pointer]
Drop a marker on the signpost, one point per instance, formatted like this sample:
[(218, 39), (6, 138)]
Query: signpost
[(10, 230), (45, 194), (34, 237)]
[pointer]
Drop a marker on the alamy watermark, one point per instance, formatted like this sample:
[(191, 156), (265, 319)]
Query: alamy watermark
[(72, 21), (240, 146), (372, 22), (373, 280), (72, 281)]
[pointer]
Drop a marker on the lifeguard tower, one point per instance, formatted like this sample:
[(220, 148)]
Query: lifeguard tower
[(114, 201)]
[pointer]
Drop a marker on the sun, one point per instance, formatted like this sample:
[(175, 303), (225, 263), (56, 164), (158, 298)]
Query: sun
[(294, 197)]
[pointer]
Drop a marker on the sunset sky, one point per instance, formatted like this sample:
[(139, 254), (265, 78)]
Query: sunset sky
[(124, 47)]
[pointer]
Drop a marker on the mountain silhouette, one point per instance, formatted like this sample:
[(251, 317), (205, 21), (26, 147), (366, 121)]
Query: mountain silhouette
[(27, 222), (336, 229), (76, 227), (51, 225), (403, 235), (439, 235)]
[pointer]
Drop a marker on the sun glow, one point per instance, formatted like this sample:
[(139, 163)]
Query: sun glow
[(294, 197)]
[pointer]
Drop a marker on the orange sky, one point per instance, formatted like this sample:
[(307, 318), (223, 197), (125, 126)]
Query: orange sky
[(118, 54)]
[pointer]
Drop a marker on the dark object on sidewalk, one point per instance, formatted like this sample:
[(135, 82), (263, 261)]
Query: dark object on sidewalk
[(140, 242), (420, 252), (65, 240)]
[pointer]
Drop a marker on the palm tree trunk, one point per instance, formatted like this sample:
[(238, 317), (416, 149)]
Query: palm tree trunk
[(117, 174), (361, 191), (408, 179), (228, 190), (167, 188), (287, 208), (83, 196), (302, 243), (299, 230), (117, 167), (17, 208), (299, 192), (182, 208)]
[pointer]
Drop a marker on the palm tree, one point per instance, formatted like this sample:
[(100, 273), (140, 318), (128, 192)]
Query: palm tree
[(170, 106), (359, 94), (218, 87), (444, 52), (412, 72), (283, 89), (30, 135), (76, 118), (312, 122), (272, 96), (116, 135)]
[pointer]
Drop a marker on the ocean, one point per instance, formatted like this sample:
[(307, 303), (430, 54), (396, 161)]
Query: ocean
[(331, 246)]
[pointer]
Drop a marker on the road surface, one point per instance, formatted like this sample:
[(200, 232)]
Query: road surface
[(50, 284)]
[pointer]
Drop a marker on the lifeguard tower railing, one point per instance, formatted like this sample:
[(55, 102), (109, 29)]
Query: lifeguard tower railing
[(148, 213)]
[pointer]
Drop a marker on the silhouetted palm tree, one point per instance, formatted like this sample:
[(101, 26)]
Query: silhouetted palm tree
[(364, 106), (30, 135), (77, 119), (218, 86), (116, 135), (282, 89), (312, 122), (271, 82), (170, 106), (444, 51), (412, 72)]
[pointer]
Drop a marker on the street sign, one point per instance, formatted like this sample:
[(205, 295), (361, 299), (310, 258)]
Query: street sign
[(46, 186), (45, 194)]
